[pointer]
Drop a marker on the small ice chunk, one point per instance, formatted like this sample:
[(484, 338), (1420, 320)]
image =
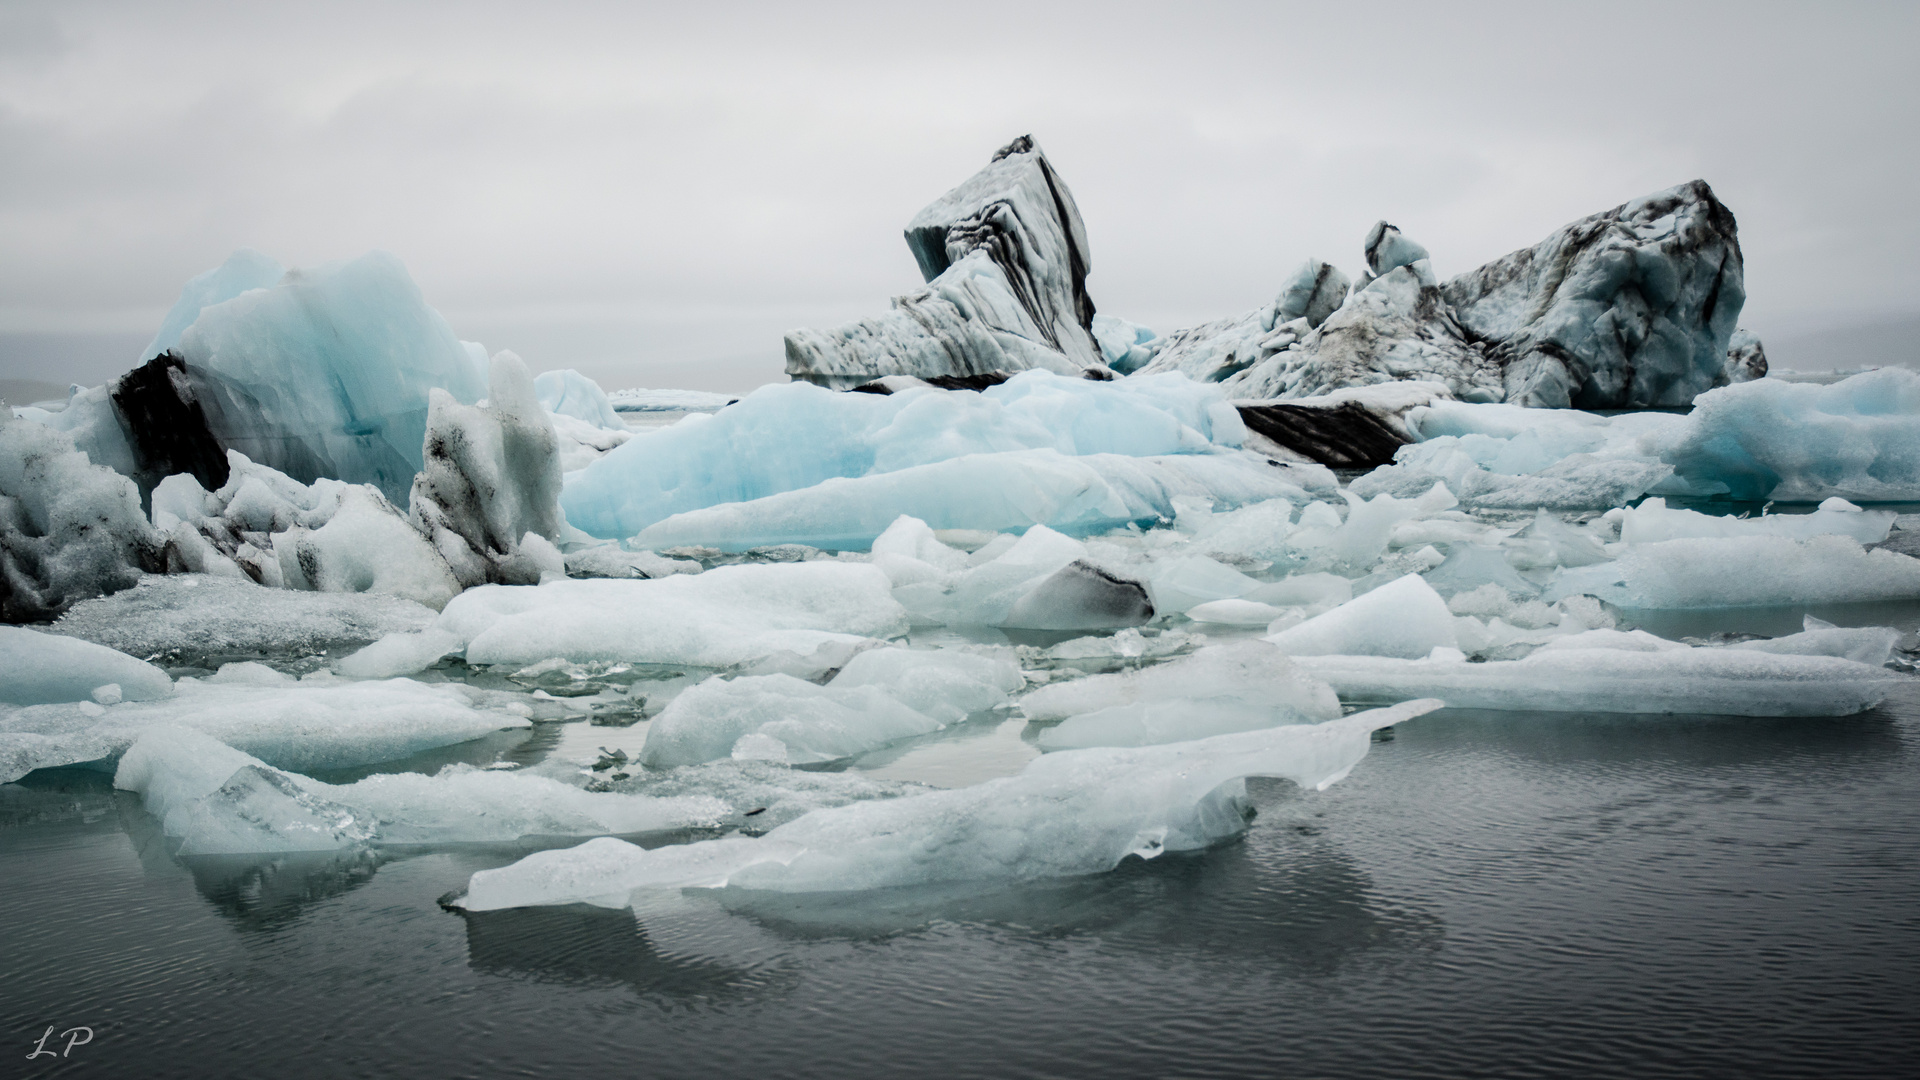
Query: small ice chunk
[(1404, 618), (1235, 612), (1191, 580)]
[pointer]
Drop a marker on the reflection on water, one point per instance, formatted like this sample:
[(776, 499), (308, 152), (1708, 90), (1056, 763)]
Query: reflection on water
[(582, 944), (265, 893), (1666, 741)]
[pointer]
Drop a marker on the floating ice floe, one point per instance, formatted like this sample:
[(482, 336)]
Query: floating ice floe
[(637, 400), (880, 696), (1653, 521), (1743, 571), (789, 437), (192, 616), (725, 617), (1616, 672), (217, 800), (38, 668), (1067, 814), (1212, 691), (1005, 259), (292, 725)]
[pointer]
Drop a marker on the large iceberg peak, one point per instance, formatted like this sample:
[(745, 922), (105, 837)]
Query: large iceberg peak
[(1005, 258), (1627, 308)]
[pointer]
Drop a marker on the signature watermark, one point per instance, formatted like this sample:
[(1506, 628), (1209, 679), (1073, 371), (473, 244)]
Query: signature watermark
[(76, 1036)]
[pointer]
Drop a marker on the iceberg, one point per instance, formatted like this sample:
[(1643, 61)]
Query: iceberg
[(1856, 439), (1571, 675), (1355, 428), (1396, 326), (218, 801), (722, 618), (69, 528), (1005, 260), (1041, 581), (568, 393), (1067, 814), (324, 374), (291, 725), (1627, 308), (38, 668), (244, 271), (788, 437)]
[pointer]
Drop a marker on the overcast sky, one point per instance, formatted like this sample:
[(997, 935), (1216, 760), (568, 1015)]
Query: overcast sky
[(654, 192)]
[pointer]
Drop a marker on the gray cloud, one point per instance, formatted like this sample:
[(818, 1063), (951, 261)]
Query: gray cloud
[(653, 193)]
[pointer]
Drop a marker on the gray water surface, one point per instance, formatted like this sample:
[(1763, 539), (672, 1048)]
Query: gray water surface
[(1497, 895)]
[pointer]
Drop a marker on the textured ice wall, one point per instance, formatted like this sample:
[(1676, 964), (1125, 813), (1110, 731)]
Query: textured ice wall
[(69, 529), (1630, 307), (488, 496)]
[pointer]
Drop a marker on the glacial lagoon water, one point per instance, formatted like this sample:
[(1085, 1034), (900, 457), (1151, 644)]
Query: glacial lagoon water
[(1487, 895)]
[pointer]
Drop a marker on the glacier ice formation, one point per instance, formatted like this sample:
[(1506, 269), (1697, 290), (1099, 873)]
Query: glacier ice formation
[(1005, 259)]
